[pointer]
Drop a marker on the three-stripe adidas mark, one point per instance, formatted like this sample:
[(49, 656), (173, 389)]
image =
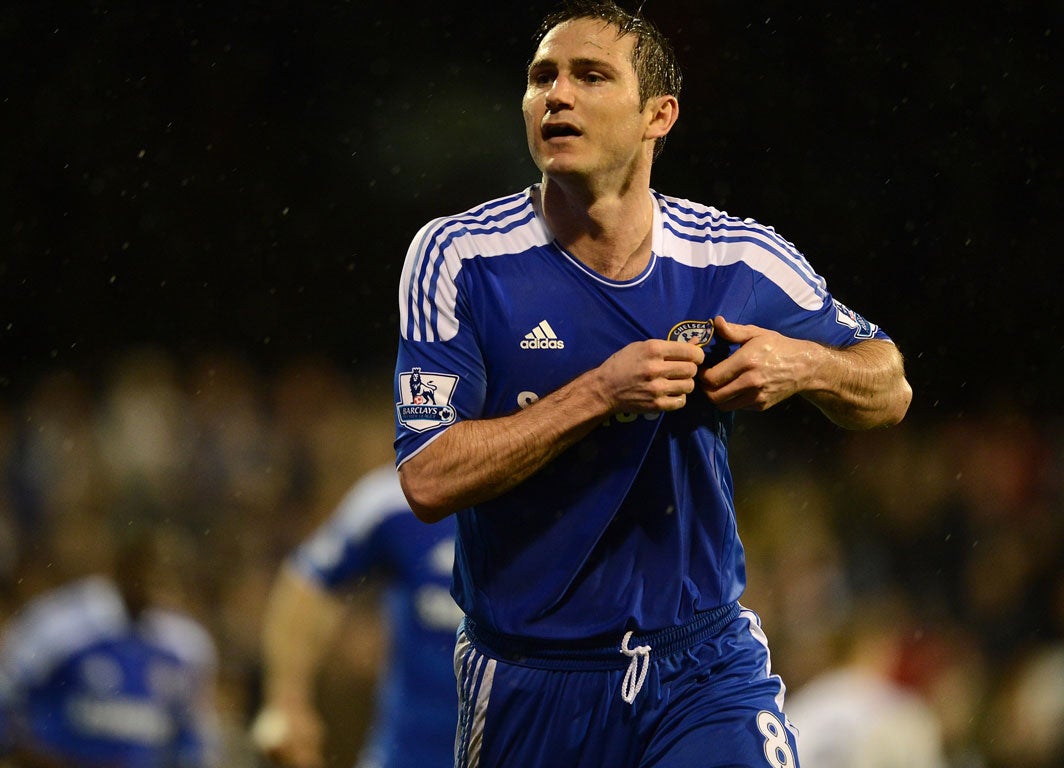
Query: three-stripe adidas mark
[(542, 337)]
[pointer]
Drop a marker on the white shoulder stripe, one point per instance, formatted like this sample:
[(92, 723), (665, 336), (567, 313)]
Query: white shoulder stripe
[(700, 236), (427, 293), (372, 500), (59, 623)]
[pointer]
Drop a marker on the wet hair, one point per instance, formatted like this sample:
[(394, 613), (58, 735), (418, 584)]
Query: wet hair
[(653, 57)]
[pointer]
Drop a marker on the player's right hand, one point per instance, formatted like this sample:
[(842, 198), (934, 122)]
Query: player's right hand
[(765, 369), (652, 375), (289, 737)]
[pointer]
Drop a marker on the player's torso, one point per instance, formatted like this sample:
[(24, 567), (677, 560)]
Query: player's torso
[(644, 491), (417, 701), (421, 560), (542, 319), (117, 699)]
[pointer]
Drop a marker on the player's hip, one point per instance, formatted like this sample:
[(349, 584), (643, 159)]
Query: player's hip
[(584, 711)]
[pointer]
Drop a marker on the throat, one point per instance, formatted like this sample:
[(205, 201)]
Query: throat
[(612, 237), (617, 259), (609, 265)]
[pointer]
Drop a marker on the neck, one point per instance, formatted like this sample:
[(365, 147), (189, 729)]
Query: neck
[(609, 233)]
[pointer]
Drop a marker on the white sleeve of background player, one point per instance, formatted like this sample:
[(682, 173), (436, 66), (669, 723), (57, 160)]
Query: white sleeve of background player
[(57, 624), (342, 548)]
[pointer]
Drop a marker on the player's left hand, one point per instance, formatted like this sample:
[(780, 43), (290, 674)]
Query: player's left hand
[(766, 369)]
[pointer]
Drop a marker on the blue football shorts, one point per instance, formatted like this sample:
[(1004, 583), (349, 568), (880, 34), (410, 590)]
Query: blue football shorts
[(698, 696)]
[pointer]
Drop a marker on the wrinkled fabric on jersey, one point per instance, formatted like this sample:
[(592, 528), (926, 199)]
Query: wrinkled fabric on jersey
[(633, 528)]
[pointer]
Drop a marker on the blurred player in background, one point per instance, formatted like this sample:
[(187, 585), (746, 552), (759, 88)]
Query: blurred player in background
[(569, 361), (102, 672), (859, 714), (372, 533)]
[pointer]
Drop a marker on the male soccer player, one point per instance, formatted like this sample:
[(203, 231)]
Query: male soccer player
[(371, 534), (96, 674), (585, 343)]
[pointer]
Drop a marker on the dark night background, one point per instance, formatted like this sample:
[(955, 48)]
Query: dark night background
[(248, 175)]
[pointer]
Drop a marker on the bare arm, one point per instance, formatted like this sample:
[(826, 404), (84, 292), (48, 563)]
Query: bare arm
[(477, 460), (301, 622), (861, 387), (858, 387)]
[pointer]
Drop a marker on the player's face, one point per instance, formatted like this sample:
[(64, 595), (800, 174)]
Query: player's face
[(581, 107)]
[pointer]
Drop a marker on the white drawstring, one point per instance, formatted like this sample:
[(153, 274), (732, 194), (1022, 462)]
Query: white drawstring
[(637, 673)]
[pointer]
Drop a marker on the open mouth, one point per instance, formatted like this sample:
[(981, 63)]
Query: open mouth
[(559, 130)]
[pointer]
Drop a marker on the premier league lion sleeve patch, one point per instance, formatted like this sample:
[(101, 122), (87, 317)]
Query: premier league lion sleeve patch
[(425, 400), (862, 329)]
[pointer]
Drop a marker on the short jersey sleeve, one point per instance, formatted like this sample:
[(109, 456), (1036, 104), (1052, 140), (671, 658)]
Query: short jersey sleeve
[(440, 372), (757, 277), (347, 545)]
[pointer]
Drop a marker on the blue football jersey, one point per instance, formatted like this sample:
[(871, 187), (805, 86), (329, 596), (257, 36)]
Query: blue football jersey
[(83, 682), (634, 526), (373, 532)]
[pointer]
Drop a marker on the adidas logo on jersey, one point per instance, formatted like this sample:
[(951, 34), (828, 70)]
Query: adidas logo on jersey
[(542, 337)]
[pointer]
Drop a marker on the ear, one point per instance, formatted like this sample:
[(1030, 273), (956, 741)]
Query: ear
[(661, 111)]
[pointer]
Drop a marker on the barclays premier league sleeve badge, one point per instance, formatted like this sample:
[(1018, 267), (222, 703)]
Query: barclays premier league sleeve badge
[(862, 329), (426, 400)]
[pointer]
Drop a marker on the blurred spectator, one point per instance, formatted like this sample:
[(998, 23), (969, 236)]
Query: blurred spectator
[(857, 714), (144, 433), (56, 465), (798, 581), (1026, 722), (102, 673)]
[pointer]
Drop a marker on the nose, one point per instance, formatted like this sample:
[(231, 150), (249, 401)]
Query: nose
[(560, 95)]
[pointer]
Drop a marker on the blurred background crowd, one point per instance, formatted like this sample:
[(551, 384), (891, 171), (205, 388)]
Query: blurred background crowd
[(230, 468), (940, 542)]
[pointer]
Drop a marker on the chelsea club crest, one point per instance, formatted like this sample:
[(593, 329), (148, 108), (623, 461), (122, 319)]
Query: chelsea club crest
[(698, 332)]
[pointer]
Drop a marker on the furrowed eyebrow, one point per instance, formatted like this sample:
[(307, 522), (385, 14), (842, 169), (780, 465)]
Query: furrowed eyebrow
[(579, 63), (589, 63), (542, 64)]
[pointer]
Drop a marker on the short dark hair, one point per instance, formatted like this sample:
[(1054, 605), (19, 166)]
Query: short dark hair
[(653, 57)]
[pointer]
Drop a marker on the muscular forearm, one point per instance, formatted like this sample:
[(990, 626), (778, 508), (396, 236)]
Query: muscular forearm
[(480, 459), (859, 387)]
